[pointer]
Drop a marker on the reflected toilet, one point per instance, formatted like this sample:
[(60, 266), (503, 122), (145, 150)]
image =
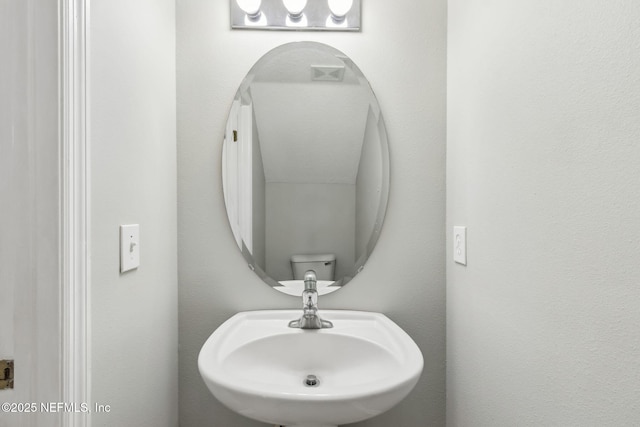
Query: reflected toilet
[(323, 264)]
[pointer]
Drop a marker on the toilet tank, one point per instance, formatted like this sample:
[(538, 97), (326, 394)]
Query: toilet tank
[(323, 264)]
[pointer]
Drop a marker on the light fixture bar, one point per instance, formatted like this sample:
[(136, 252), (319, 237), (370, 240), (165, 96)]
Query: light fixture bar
[(296, 15)]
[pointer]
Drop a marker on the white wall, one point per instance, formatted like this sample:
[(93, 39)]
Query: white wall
[(543, 167), (401, 50), (133, 180), (29, 208)]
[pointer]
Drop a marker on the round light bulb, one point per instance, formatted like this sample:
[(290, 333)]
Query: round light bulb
[(295, 7), (250, 7), (339, 8)]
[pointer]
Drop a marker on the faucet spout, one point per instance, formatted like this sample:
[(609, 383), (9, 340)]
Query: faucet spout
[(310, 280), (310, 318)]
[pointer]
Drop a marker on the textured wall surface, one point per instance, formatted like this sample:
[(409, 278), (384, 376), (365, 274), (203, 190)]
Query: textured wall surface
[(133, 180), (543, 158), (403, 56)]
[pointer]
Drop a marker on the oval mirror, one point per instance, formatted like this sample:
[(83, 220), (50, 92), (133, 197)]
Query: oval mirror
[(305, 167)]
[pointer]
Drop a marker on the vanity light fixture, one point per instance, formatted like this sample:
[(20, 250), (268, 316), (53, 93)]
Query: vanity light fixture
[(296, 16), (252, 14), (338, 16), (339, 9), (327, 15), (295, 7), (251, 8)]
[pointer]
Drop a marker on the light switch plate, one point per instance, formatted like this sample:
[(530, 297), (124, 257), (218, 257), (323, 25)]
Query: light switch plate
[(129, 247), (460, 245)]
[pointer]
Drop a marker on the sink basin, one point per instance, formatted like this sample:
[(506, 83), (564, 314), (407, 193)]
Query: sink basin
[(259, 367)]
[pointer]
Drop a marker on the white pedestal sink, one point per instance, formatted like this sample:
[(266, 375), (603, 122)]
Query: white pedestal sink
[(259, 367)]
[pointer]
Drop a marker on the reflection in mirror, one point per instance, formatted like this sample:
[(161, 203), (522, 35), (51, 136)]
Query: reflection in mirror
[(305, 167)]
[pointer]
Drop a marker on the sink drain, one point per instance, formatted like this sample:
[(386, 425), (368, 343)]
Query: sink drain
[(311, 381)]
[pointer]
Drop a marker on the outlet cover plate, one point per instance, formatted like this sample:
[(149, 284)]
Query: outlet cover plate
[(460, 245)]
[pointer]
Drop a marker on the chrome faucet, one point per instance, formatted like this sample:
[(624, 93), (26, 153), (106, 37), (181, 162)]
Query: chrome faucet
[(310, 318)]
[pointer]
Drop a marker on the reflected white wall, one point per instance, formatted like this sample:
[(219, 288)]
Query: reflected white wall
[(294, 211)]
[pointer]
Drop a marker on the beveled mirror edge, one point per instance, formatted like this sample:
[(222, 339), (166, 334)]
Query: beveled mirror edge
[(384, 196)]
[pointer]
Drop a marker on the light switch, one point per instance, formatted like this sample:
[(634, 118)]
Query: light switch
[(129, 247), (460, 245)]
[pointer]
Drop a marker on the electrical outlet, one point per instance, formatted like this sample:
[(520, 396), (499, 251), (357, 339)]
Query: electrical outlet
[(460, 245)]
